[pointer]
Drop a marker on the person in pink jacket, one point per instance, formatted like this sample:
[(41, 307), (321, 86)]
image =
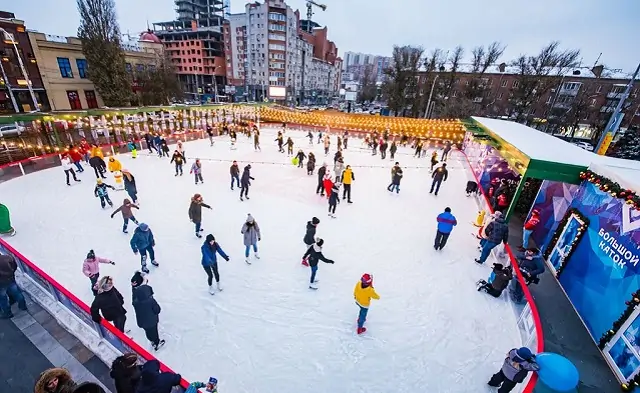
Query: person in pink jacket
[(91, 268)]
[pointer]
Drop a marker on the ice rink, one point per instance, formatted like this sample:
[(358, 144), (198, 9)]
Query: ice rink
[(267, 332)]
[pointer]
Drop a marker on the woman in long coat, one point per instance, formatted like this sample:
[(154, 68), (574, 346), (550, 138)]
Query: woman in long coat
[(251, 233), (130, 185)]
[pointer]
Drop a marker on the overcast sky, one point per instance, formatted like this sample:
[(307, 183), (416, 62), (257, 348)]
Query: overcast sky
[(374, 26)]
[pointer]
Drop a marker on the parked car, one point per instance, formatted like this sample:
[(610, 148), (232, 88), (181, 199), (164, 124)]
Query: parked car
[(11, 130), (584, 145)]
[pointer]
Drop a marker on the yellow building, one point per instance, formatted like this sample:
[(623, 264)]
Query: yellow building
[(63, 68)]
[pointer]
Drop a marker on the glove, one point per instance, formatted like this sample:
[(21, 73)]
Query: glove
[(113, 263), (259, 239), (227, 259), (135, 252), (331, 262)]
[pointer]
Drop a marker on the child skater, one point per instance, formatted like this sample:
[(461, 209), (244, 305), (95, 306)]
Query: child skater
[(101, 192), (434, 159), (251, 233), (334, 198), (363, 293), (131, 145), (91, 269), (313, 256), (127, 213), (196, 169)]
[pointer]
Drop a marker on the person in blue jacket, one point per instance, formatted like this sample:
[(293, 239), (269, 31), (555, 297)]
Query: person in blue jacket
[(154, 381), (446, 222), (142, 241), (210, 261), (157, 141)]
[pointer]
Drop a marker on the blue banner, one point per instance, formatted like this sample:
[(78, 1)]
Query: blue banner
[(115, 341), (76, 310)]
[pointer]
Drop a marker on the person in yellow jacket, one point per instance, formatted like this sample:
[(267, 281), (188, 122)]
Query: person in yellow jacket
[(363, 293), (347, 178), (114, 165), (96, 151)]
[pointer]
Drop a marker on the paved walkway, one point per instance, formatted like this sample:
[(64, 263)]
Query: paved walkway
[(564, 332), (33, 341)]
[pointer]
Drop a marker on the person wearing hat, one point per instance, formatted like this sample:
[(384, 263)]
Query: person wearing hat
[(498, 280), (91, 269), (178, 160), (127, 213), (109, 301), (195, 212), (396, 176), (209, 250), (55, 380), (439, 175), (130, 185), (363, 293), (114, 165), (251, 233), (515, 368), (146, 308), (125, 372), (142, 241), (310, 235), (529, 227), (321, 172), (101, 191), (313, 256), (154, 381)]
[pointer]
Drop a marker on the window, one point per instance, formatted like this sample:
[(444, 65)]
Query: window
[(274, 27), (92, 101), (516, 84), (128, 68), (198, 51), (571, 85), (151, 68), (503, 84), (74, 100), (593, 102), (599, 89), (82, 68), (139, 68), (500, 95), (65, 67)]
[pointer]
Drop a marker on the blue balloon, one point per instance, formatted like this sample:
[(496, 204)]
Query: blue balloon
[(557, 372)]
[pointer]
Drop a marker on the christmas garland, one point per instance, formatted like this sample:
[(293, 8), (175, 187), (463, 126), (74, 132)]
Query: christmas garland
[(556, 236), (607, 185)]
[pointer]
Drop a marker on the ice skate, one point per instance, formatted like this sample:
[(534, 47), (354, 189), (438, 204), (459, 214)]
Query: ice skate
[(256, 255), (313, 286), (154, 263), (198, 235), (480, 283), (212, 291), (241, 200), (159, 345), (361, 330), (125, 231), (247, 260), (219, 286), (145, 269)]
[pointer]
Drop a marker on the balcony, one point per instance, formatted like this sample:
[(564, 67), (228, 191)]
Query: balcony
[(562, 105), (569, 92), (614, 95)]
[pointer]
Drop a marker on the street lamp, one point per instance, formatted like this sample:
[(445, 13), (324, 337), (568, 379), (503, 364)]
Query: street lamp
[(24, 70)]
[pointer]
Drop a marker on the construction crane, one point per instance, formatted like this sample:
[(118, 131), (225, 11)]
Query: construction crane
[(310, 5)]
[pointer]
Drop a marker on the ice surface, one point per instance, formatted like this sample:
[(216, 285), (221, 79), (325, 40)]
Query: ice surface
[(267, 332)]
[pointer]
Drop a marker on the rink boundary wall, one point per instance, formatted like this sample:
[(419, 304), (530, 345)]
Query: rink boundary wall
[(531, 303)]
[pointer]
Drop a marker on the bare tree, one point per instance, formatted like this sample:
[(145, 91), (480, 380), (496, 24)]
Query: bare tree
[(400, 88), (368, 89), (159, 82)]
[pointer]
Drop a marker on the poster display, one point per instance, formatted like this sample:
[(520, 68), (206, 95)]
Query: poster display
[(564, 244), (76, 310)]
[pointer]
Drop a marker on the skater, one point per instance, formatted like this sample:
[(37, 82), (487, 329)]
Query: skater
[(76, 157), (146, 308), (131, 145), (164, 147), (313, 256), (5, 221), (497, 231), (279, 139), (339, 142), (157, 142), (196, 169), (319, 137), (178, 159), (101, 192), (256, 139), (418, 148), (327, 143), (210, 133), (345, 139), (142, 241), (125, 372), (68, 169), (310, 136), (300, 156), (311, 164), (154, 381), (9, 288), (321, 172), (114, 165), (515, 368), (251, 232), (498, 281), (245, 182), (337, 156), (109, 301), (348, 177), (310, 235), (334, 199), (130, 185), (127, 213), (363, 293), (439, 175), (339, 166), (327, 183), (446, 222), (98, 165), (91, 269), (96, 151), (209, 250), (289, 144), (180, 149), (396, 176), (383, 149), (472, 188), (393, 149), (374, 146), (195, 212), (434, 159), (149, 141), (234, 170), (446, 150)]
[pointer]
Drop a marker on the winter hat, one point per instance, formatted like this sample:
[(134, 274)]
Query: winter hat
[(137, 279), (524, 353), (315, 221), (210, 238), (99, 181), (447, 209), (250, 218), (91, 255), (319, 242), (367, 279), (143, 227)]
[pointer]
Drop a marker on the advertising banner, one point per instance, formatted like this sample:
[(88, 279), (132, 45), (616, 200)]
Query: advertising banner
[(76, 310), (35, 276), (114, 340)]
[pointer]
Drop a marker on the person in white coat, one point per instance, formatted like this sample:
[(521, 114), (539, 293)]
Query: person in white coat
[(67, 166)]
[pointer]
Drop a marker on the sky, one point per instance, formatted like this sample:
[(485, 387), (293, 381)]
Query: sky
[(375, 26)]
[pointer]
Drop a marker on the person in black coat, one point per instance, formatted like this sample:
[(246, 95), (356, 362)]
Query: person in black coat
[(439, 175), (245, 182), (310, 235), (149, 142), (99, 166), (314, 255), (126, 372), (311, 164), (321, 172), (334, 199), (130, 185), (393, 149), (396, 176), (109, 301), (154, 381), (301, 156), (147, 309), (383, 149)]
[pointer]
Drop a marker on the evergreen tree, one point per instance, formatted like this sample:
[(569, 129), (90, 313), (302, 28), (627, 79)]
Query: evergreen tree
[(628, 147), (100, 36), (159, 83)]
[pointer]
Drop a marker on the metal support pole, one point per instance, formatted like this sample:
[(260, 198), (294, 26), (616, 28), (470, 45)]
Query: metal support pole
[(8, 84), (24, 71), (426, 113), (519, 189)]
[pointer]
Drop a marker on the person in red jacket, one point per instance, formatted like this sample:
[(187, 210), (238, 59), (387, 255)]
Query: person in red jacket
[(529, 226), (85, 149), (328, 184), (76, 156), (502, 203)]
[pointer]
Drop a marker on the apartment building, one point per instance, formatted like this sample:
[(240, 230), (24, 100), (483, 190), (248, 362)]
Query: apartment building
[(355, 63)]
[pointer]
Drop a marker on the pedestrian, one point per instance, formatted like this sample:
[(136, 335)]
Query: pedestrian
[(209, 261), (334, 198), (55, 380), (348, 177), (319, 137), (76, 157), (256, 139), (531, 266), (515, 368), (143, 242), (339, 142), (327, 143), (301, 156), (434, 159), (498, 280), (327, 183), (383, 149), (127, 213), (439, 175), (313, 256), (8, 287), (196, 169), (280, 141), (396, 176), (446, 222), (125, 372), (149, 141), (98, 165), (345, 139), (210, 133), (321, 172), (178, 159), (418, 148), (251, 236), (68, 169), (363, 293), (234, 170), (289, 144), (101, 191), (154, 381), (497, 231), (114, 165), (130, 185), (146, 308), (195, 212), (311, 164), (531, 224), (157, 142), (393, 149), (91, 269), (310, 136), (374, 146), (109, 301), (310, 235), (446, 150), (245, 182)]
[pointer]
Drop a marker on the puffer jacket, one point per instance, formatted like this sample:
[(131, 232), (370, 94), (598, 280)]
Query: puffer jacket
[(515, 368), (110, 303), (209, 252), (348, 176), (153, 381), (142, 239), (125, 209), (534, 265), (315, 255), (498, 231), (246, 177), (91, 267), (251, 232), (114, 165), (310, 235), (125, 378), (8, 267), (146, 307), (501, 279), (65, 381), (363, 295)]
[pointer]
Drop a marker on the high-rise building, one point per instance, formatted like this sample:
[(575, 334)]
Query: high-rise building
[(194, 45), (355, 63)]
